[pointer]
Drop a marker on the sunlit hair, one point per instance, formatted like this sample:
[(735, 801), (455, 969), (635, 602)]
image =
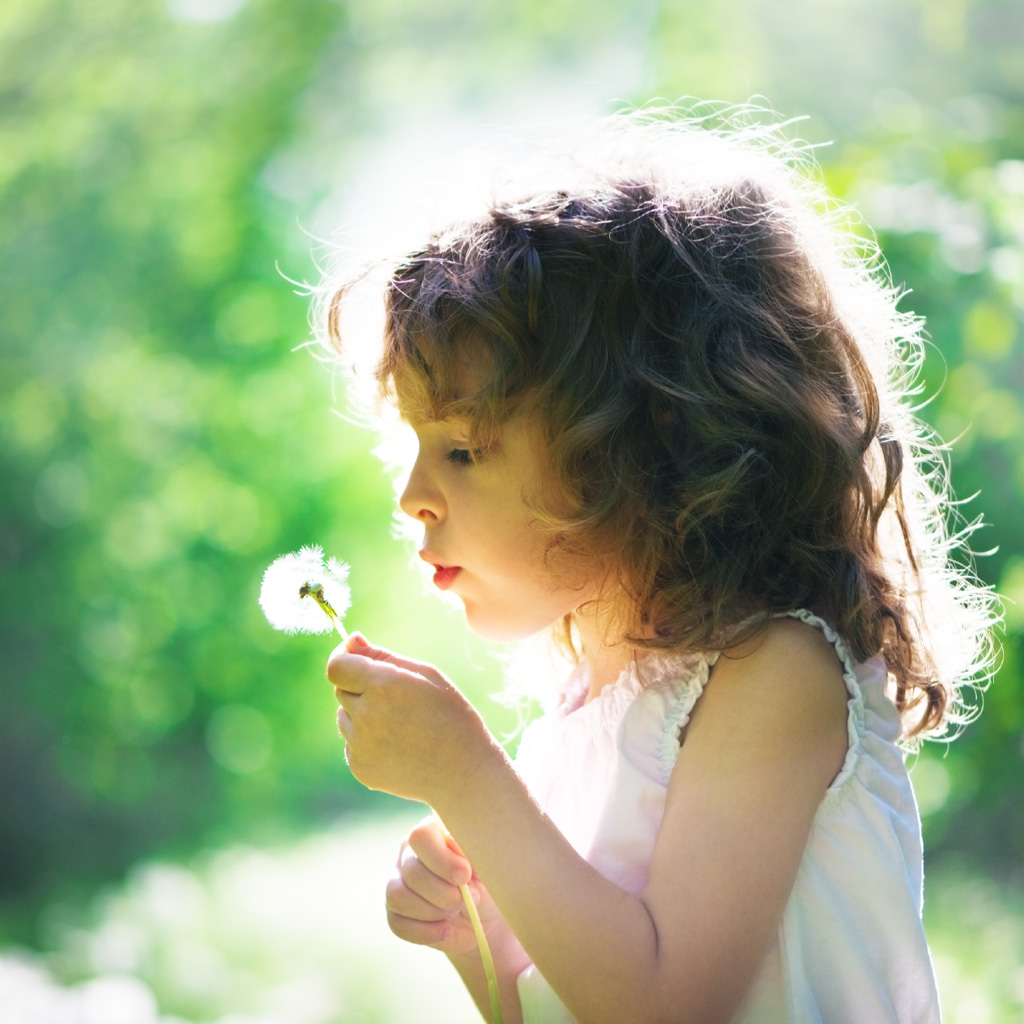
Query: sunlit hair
[(722, 374)]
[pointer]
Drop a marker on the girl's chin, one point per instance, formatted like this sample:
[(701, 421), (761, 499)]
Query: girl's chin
[(500, 629)]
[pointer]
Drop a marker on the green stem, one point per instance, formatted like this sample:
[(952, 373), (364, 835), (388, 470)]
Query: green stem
[(481, 942), (317, 593)]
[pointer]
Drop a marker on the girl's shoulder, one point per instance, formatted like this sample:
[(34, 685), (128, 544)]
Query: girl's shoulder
[(794, 673), (788, 668), (794, 649)]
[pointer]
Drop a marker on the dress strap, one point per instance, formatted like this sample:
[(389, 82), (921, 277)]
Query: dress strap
[(855, 704)]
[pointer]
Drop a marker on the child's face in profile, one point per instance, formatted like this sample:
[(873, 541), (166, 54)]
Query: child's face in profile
[(481, 533)]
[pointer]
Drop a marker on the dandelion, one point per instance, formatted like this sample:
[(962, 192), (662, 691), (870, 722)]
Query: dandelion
[(288, 581), (291, 579)]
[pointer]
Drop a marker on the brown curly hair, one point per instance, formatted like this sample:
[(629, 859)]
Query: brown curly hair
[(721, 375)]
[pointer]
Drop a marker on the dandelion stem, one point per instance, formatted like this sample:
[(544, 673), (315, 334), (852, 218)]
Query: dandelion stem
[(485, 954), (316, 591), (481, 941)]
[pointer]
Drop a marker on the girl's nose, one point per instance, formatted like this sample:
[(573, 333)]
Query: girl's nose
[(421, 500)]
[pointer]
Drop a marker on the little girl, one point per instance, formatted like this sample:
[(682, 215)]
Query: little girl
[(660, 408)]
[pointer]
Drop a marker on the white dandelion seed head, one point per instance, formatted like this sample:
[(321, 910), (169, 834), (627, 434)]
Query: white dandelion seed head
[(281, 598)]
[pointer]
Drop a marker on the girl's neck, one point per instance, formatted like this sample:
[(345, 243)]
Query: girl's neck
[(606, 659), (606, 667)]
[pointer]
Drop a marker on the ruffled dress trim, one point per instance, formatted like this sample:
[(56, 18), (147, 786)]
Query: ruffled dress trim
[(684, 678), (687, 693), (681, 678), (855, 720)]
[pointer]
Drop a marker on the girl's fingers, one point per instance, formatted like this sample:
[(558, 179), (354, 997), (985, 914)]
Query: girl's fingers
[(347, 673), (352, 676), (358, 644), (421, 905), (439, 853), (415, 876), (344, 723), (344, 666), (421, 933)]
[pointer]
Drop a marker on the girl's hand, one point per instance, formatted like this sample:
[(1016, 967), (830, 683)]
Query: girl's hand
[(425, 907), (407, 729), (423, 900)]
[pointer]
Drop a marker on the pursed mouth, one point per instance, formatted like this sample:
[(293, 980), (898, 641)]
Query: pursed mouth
[(444, 575)]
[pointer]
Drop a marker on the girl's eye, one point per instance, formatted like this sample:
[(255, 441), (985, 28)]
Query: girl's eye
[(463, 456)]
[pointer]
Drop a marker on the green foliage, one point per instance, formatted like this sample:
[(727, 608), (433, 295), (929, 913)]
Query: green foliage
[(143, 316), (278, 934), (160, 442)]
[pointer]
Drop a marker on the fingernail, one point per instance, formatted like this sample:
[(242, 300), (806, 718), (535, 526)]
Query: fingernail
[(356, 640)]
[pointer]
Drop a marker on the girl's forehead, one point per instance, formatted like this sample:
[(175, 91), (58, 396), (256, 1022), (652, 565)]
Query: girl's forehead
[(432, 384), (465, 358), (455, 425)]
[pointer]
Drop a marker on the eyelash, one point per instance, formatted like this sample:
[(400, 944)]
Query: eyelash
[(463, 456)]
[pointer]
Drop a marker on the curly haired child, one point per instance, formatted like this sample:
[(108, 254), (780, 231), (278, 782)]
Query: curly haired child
[(661, 409)]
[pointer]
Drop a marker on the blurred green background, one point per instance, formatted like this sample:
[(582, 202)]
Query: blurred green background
[(166, 170)]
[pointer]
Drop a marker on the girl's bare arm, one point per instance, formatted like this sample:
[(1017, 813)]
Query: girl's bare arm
[(765, 741)]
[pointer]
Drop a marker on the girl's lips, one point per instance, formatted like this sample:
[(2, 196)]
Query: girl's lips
[(445, 575)]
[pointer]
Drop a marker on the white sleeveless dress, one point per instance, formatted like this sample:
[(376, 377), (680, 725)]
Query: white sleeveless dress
[(850, 947)]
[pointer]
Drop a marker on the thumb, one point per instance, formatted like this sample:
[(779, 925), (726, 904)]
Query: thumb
[(358, 644)]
